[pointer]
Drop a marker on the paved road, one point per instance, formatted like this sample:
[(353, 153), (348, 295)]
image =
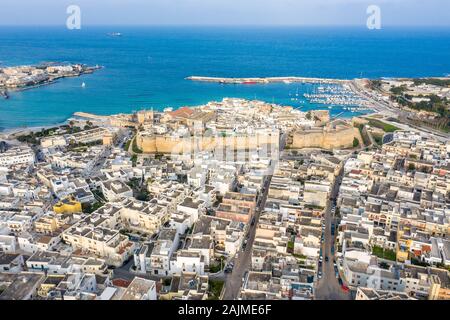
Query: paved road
[(388, 110), (243, 262), (100, 162), (328, 287), (129, 276)]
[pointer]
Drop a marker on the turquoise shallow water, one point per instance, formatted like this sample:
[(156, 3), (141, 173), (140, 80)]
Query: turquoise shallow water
[(146, 67)]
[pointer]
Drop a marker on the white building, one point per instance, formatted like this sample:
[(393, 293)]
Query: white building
[(7, 243), (53, 141), (140, 289), (187, 261), (17, 155), (116, 189)]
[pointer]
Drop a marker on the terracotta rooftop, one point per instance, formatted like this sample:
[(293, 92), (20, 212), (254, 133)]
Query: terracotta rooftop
[(182, 112), (121, 283)]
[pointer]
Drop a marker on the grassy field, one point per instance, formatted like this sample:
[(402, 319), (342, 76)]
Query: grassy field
[(386, 127), (215, 288), (135, 146), (384, 253)]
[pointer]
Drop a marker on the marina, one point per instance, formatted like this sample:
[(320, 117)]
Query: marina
[(334, 95), (331, 93)]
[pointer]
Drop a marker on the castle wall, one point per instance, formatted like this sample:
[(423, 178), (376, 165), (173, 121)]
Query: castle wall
[(165, 144), (335, 139)]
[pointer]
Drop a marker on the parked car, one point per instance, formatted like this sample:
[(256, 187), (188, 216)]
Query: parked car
[(245, 276), (344, 288)]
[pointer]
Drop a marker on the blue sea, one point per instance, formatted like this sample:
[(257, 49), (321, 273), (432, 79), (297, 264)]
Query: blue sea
[(146, 67)]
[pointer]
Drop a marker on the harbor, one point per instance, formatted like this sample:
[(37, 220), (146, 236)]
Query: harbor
[(326, 92), (335, 95)]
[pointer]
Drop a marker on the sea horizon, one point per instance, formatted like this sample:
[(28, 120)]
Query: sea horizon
[(146, 67)]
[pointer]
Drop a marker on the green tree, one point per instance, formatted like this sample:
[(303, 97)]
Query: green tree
[(308, 115)]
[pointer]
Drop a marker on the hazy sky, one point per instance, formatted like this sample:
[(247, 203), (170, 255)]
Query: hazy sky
[(225, 12)]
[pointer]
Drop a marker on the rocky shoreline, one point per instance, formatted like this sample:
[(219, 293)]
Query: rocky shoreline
[(28, 77)]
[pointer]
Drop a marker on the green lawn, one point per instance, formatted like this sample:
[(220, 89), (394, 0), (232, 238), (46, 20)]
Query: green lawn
[(378, 140), (386, 127), (384, 253), (215, 288), (290, 246), (135, 146), (299, 256), (89, 208), (127, 145), (216, 266)]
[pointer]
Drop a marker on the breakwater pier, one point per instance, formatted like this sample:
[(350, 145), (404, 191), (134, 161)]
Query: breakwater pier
[(266, 80)]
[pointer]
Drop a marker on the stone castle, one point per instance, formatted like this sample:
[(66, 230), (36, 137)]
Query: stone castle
[(154, 143), (335, 135)]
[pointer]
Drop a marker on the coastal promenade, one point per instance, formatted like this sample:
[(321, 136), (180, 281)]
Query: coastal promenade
[(87, 115)]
